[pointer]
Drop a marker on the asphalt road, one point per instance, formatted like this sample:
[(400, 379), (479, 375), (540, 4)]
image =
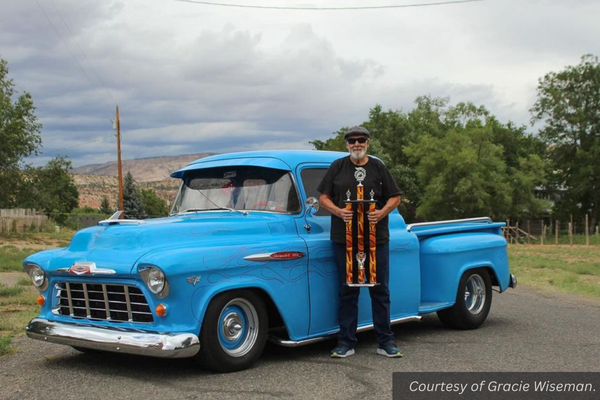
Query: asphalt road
[(525, 332)]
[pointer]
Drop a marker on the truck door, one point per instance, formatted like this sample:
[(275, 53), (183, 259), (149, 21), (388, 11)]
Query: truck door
[(322, 271)]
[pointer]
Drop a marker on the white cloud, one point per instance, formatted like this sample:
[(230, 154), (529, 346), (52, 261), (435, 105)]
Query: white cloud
[(192, 78)]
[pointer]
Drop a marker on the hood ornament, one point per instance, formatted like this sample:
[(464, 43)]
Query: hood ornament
[(86, 268)]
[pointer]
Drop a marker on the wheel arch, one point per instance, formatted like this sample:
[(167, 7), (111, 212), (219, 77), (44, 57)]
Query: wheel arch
[(489, 267), (274, 314)]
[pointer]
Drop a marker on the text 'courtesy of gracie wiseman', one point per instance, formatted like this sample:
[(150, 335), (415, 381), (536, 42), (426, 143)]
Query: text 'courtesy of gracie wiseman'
[(496, 385)]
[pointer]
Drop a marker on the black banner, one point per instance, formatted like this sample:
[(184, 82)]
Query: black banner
[(496, 385)]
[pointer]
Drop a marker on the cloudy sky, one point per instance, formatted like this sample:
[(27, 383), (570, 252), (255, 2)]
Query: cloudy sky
[(191, 77)]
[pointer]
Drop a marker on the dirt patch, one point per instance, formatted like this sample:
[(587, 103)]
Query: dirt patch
[(34, 242), (11, 278)]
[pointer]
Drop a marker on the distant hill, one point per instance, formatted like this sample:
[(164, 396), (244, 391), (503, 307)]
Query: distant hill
[(98, 180), (143, 169)]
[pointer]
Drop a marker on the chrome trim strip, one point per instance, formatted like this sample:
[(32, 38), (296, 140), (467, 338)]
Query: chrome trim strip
[(451, 221), (69, 299), (128, 300), (296, 343), (259, 257), (86, 297), (106, 303), (97, 271), (268, 256), (120, 340)]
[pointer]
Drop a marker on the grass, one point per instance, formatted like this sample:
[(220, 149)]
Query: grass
[(5, 345), (6, 291), (566, 269), (11, 258), (17, 308), (15, 247), (17, 302), (52, 239)]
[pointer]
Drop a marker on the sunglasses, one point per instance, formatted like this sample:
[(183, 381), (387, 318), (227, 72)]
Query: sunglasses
[(359, 140)]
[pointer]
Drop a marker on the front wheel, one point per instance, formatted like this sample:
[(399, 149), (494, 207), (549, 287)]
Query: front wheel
[(234, 331), (473, 301)]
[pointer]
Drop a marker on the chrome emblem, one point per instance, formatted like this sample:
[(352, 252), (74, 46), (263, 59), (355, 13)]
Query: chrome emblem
[(82, 268), (85, 268), (277, 256), (193, 280)]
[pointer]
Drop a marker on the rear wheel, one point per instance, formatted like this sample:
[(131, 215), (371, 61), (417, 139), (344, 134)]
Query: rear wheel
[(234, 331), (473, 301)]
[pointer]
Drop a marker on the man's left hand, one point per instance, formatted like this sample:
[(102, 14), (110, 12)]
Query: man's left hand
[(376, 216)]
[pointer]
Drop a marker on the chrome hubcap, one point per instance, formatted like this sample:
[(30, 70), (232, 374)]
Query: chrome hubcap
[(238, 327), (475, 294), (232, 326)]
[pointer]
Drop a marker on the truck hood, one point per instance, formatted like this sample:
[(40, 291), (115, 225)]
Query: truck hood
[(118, 247)]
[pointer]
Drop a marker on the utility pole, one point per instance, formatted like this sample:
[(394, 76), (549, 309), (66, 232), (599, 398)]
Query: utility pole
[(121, 205)]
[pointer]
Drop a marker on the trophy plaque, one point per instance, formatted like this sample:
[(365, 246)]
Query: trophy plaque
[(361, 260)]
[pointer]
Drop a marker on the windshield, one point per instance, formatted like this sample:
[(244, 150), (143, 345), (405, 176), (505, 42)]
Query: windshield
[(237, 188)]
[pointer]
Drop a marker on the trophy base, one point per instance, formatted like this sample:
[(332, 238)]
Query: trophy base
[(361, 284)]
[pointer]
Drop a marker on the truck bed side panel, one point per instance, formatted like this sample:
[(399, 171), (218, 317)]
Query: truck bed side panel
[(445, 258)]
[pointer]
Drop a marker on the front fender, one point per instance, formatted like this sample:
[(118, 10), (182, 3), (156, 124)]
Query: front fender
[(197, 275)]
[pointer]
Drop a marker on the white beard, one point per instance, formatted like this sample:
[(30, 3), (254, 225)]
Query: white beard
[(358, 156)]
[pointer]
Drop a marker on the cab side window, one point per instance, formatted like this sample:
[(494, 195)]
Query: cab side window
[(311, 177)]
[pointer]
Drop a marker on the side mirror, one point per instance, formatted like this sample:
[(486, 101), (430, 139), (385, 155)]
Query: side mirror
[(312, 205)]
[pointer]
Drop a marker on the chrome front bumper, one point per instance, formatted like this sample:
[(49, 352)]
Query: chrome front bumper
[(120, 340)]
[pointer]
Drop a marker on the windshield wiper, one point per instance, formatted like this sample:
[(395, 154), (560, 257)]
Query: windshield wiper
[(217, 207), (243, 212)]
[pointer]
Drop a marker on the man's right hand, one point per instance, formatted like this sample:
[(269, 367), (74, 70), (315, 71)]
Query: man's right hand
[(344, 214)]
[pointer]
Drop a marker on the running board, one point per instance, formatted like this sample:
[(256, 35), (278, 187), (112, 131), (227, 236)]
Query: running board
[(296, 343)]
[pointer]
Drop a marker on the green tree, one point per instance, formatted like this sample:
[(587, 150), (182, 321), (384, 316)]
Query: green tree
[(568, 106), (105, 207), (499, 165), (463, 174), (19, 137), (50, 188), (154, 206), (390, 132), (132, 202)]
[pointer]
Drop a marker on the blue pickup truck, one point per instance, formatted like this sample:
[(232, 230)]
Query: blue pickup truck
[(245, 257)]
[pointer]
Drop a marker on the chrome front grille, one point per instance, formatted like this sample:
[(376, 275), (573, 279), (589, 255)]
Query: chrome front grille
[(115, 303)]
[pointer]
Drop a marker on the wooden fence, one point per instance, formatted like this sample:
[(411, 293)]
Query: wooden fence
[(552, 232), (20, 220)]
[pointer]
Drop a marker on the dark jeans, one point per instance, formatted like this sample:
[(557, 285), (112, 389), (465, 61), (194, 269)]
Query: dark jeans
[(380, 299)]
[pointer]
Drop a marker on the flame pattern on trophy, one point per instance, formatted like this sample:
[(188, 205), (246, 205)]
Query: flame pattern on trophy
[(349, 277), (361, 256), (372, 244)]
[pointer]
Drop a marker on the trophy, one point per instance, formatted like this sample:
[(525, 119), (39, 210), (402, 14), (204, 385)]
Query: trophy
[(360, 205)]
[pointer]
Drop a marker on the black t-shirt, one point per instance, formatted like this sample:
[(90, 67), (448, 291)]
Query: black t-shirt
[(343, 175)]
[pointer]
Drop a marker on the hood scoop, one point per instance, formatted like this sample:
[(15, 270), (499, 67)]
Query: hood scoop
[(115, 220)]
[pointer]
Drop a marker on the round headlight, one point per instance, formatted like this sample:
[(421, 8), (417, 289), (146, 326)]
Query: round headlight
[(37, 276), (156, 280)]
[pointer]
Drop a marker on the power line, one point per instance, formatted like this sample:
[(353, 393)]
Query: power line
[(102, 85), (76, 61), (210, 3), (68, 48)]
